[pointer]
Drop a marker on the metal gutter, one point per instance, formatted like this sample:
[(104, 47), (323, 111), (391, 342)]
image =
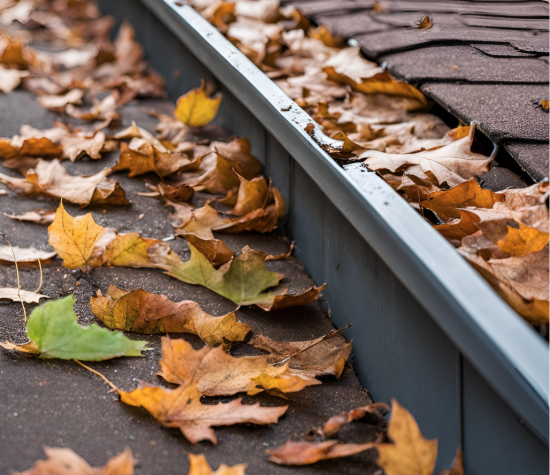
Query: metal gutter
[(511, 357)]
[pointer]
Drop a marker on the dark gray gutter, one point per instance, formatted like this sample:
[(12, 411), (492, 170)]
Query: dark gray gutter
[(511, 357)]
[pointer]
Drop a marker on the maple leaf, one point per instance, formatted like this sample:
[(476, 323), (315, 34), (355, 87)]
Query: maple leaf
[(195, 108), (199, 466), (214, 372), (142, 312), (182, 408), (65, 461), (349, 67), (74, 238), (21, 296), (24, 254), (305, 453), (38, 216), (52, 179), (410, 453), (324, 356), (55, 333), (451, 164)]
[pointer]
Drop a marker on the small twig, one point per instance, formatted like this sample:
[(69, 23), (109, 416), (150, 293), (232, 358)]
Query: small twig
[(18, 281), (41, 276), (113, 387), (323, 338)]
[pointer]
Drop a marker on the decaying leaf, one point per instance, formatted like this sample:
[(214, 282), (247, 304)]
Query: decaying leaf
[(324, 356), (196, 109), (55, 333), (182, 408), (26, 295), (305, 453), (63, 461), (333, 425), (142, 312), (38, 216), (410, 453), (74, 238), (24, 254), (214, 372), (199, 466)]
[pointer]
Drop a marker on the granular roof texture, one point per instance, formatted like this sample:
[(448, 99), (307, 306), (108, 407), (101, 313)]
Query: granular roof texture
[(483, 61)]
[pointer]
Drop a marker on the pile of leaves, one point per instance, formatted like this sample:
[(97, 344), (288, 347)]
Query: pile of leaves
[(383, 123)]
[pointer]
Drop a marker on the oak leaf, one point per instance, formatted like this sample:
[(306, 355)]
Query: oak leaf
[(214, 372), (63, 461), (196, 109), (305, 453), (74, 238), (182, 408), (143, 312), (56, 334)]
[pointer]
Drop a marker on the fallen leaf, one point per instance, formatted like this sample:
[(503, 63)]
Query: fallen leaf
[(26, 295), (305, 453), (52, 179), (196, 109), (143, 312), (57, 103), (513, 239), (424, 24), (324, 356), (452, 164), (24, 254), (10, 79), (55, 332), (199, 466), (63, 461), (458, 465), (182, 408), (410, 453), (334, 424), (74, 238), (38, 216)]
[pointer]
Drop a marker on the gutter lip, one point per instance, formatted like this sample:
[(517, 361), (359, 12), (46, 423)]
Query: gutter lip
[(505, 349)]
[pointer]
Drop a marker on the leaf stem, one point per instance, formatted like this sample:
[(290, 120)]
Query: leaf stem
[(17, 273), (113, 387), (41, 276)]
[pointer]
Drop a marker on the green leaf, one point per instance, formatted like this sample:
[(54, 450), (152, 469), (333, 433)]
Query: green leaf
[(56, 333)]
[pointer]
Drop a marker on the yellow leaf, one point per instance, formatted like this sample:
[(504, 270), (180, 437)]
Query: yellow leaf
[(74, 238), (522, 241), (410, 453), (196, 109), (199, 466)]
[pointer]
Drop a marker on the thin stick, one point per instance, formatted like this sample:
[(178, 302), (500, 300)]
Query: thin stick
[(18, 281), (41, 276), (113, 387)]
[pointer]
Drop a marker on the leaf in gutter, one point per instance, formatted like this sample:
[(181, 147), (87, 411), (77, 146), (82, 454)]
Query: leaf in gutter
[(196, 109), (214, 372), (306, 453), (74, 238), (38, 216), (335, 423), (10, 79), (143, 312), (55, 332), (182, 408), (58, 103), (324, 356), (26, 295), (410, 453), (199, 466), (513, 238), (63, 461)]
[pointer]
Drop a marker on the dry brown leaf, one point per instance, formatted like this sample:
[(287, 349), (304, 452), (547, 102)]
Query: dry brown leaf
[(182, 408), (52, 179), (199, 466), (452, 164), (24, 254), (424, 24), (458, 465), (324, 356), (57, 103), (216, 373), (38, 216), (410, 453), (63, 461), (333, 425), (305, 453), (10, 79), (143, 312)]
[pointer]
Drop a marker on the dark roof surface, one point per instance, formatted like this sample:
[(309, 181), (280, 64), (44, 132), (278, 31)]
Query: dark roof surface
[(483, 61)]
